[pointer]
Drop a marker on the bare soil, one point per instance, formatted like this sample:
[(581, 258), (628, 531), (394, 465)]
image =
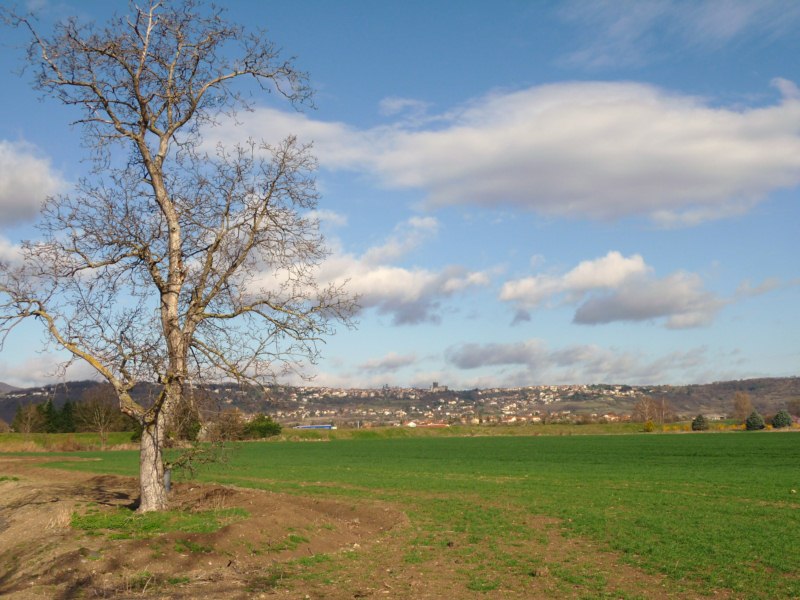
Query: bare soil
[(337, 549)]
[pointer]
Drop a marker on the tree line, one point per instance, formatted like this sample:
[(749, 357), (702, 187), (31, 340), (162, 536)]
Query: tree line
[(653, 412), (202, 418), (96, 411)]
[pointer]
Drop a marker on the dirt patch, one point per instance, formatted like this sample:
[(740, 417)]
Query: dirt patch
[(41, 556)]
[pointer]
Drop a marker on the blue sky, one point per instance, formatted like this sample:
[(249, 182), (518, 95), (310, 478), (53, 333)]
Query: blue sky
[(520, 192)]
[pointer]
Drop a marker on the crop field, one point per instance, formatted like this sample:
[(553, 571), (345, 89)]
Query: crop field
[(702, 514)]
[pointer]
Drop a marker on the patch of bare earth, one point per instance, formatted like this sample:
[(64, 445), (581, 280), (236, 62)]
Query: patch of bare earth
[(288, 547), (41, 556)]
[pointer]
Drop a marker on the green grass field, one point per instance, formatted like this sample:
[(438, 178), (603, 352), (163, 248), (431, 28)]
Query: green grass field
[(707, 511)]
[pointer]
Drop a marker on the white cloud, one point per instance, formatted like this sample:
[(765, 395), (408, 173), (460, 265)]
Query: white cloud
[(407, 236), (532, 362), (788, 89), (592, 150), (393, 106), (409, 294), (10, 253), (26, 179), (43, 369), (388, 364), (607, 272), (328, 217), (614, 33), (618, 288), (679, 298), (747, 289), (634, 33)]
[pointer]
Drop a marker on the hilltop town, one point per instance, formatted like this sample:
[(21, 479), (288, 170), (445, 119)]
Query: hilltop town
[(531, 404), (439, 405)]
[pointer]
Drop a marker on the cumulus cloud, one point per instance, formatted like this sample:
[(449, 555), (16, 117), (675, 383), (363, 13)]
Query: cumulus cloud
[(26, 179), (534, 362), (410, 295), (10, 253), (679, 298), (618, 288), (598, 150), (603, 273)]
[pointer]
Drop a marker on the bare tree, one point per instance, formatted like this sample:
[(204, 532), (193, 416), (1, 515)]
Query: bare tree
[(29, 419), (171, 263), (664, 411), (742, 406), (793, 406), (229, 425), (658, 411), (98, 411), (644, 410)]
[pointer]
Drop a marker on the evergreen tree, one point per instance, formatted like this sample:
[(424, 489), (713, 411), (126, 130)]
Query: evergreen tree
[(50, 416), (782, 419), (700, 423), (754, 422), (66, 420)]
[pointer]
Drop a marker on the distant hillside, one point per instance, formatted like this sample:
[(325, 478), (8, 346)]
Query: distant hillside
[(397, 404), (12, 398), (769, 395), (4, 387), (229, 395)]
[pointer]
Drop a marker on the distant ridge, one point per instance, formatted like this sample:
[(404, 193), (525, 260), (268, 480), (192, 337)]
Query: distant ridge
[(5, 388), (768, 394)]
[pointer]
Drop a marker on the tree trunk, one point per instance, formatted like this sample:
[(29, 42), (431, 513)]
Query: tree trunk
[(153, 493)]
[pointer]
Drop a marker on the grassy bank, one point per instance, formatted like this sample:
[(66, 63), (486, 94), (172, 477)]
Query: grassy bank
[(62, 442)]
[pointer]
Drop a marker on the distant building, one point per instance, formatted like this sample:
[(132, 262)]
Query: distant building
[(436, 388)]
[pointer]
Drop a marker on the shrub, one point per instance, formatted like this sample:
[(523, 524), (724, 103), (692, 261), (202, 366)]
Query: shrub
[(700, 423), (649, 426), (754, 422), (782, 419), (261, 426), (226, 426)]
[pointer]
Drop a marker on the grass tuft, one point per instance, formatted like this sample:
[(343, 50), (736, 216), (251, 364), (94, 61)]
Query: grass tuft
[(121, 523)]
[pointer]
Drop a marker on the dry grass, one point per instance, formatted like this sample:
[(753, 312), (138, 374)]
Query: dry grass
[(23, 446), (62, 442), (60, 519)]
